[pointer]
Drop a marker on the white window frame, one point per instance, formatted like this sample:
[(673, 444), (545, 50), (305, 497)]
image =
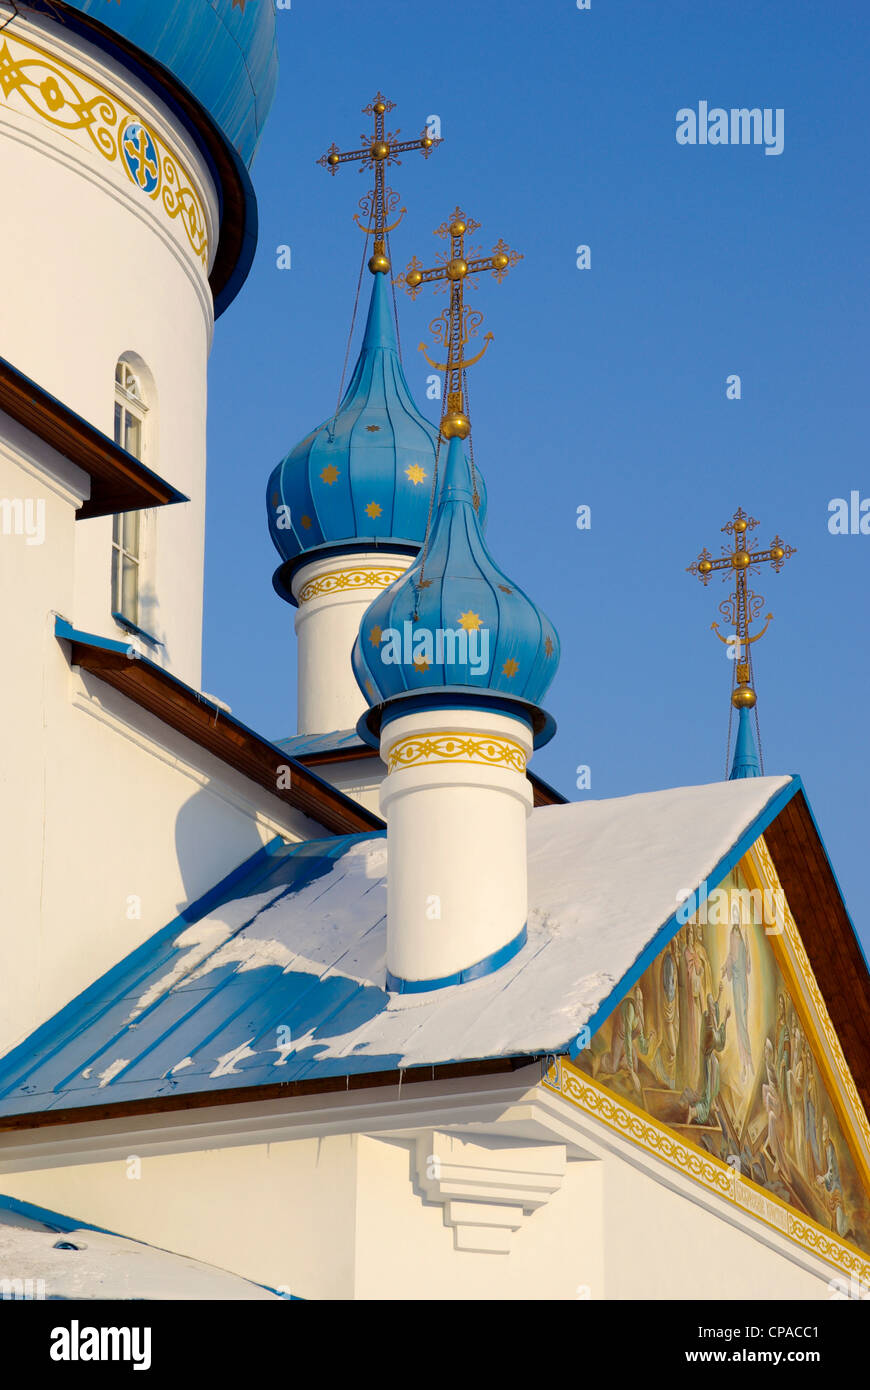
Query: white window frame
[(130, 402)]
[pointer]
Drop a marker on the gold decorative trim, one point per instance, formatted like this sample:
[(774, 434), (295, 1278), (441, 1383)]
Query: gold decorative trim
[(42, 84), (416, 750), (337, 581), (562, 1077), (798, 971)]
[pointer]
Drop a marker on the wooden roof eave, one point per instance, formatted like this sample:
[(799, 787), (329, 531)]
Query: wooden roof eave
[(119, 482)]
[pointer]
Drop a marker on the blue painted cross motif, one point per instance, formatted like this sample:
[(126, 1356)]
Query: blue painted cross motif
[(140, 156)]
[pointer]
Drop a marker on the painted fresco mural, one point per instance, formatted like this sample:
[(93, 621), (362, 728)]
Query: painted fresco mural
[(709, 1043)]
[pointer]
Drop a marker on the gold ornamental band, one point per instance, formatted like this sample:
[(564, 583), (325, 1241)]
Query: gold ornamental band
[(759, 856), (339, 581), (417, 750), (36, 82), (631, 1123)]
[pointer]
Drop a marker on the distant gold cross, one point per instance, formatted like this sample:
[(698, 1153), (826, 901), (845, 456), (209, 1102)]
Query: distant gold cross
[(458, 323), (742, 607), (379, 150)]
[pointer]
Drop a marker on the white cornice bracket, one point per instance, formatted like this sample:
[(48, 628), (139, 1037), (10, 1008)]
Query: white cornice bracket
[(487, 1185)]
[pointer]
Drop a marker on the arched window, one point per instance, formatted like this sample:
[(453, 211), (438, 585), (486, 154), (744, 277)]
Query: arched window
[(131, 411)]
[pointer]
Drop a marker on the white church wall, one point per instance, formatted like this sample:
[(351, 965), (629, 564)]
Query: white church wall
[(286, 1212), (338, 1217), (662, 1244), (97, 267), (138, 823), (405, 1249), (33, 578), (110, 822), (344, 1216)]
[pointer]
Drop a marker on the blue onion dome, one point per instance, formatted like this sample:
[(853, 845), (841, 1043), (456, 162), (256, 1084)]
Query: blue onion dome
[(224, 52), (363, 479), (455, 624), (214, 65)]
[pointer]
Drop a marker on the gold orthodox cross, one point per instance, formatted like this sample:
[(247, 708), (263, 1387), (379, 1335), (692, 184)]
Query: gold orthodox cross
[(379, 150), (458, 323), (742, 607)]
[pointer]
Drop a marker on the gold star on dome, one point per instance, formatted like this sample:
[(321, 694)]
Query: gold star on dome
[(549, 647), (240, 5), (416, 473), (469, 621), (372, 429), (370, 690), (421, 665), (306, 522), (510, 668), (373, 510), (375, 636), (329, 474), (505, 590)]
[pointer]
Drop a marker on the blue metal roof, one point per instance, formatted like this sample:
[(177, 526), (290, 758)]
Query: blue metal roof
[(333, 742), (223, 51), (277, 974), (154, 1010)]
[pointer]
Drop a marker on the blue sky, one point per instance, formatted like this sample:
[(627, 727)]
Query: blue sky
[(604, 386)]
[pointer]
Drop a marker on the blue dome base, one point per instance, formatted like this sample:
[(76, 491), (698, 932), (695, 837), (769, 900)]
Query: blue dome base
[(282, 579), (438, 697)]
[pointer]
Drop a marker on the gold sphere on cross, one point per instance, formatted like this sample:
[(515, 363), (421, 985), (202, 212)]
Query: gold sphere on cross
[(379, 108), (705, 566), (743, 697), (379, 264), (332, 159), (427, 142), (457, 228), (455, 425), (740, 526), (457, 269), (740, 559), (777, 552), (414, 278), (500, 261), (380, 149)]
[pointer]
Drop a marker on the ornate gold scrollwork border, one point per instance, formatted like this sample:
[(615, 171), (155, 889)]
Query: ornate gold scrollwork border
[(419, 749), (41, 84), (626, 1120), (339, 581), (795, 965)]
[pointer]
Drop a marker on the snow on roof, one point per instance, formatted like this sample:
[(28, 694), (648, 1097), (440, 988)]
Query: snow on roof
[(285, 980), (46, 1256)]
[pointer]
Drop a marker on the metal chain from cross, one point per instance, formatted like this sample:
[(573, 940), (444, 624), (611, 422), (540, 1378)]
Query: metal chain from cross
[(458, 323), (742, 607), (379, 150)]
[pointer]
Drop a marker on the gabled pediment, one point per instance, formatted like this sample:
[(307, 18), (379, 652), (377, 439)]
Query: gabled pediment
[(724, 1040)]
